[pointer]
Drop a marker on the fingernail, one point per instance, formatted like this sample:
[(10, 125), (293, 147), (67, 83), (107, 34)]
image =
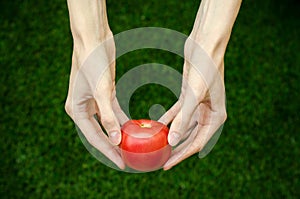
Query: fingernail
[(174, 138), (115, 138)]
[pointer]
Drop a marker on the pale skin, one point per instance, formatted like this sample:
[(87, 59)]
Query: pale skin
[(210, 33), (90, 28)]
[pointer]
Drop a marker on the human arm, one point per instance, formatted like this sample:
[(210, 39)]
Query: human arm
[(92, 80), (200, 110)]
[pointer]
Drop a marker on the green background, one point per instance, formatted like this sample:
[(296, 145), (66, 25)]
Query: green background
[(257, 155)]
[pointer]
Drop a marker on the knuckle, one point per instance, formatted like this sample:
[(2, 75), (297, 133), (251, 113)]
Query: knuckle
[(68, 108), (108, 122), (223, 116)]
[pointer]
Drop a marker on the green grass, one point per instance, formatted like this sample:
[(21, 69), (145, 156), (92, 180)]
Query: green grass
[(257, 155)]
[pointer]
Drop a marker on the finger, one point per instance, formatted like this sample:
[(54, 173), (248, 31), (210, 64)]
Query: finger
[(191, 146), (197, 141), (168, 116), (108, 119), (122, 117), (173, 111), (182, 120), (179, 152), (211, 143), (95, 136)]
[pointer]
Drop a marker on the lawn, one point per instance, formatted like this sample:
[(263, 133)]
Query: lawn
[(257, 155)]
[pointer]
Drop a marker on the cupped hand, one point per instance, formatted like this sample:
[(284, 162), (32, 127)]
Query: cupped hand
[(92, 93), (200, 110)]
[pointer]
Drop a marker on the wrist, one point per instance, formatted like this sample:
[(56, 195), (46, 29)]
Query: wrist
[(213, 45), (83, 47), (213, 25), (89, 25)]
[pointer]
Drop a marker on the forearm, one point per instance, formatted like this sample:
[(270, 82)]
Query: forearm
[(213, 26), (89, 24)]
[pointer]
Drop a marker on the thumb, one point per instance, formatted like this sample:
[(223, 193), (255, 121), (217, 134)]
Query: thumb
[(183, 120), (168, 116), (109, 120)]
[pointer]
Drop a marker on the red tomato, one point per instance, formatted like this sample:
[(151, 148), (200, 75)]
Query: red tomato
[(144, 145)]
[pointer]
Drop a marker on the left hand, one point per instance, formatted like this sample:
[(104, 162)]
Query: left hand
[(200, 110)]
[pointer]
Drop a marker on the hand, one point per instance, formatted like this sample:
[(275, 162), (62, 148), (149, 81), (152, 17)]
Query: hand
[(92, 86), (200, 110), (92, 91)]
